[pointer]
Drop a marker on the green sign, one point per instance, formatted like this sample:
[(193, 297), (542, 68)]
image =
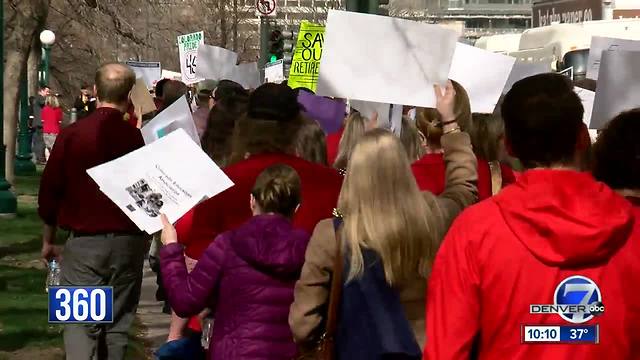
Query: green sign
[(305, 64)]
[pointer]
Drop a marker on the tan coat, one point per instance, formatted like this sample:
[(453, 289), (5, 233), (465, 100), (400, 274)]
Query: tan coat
[(312, 290)]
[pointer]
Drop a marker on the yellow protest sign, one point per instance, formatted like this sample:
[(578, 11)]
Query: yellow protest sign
[(305, 64)]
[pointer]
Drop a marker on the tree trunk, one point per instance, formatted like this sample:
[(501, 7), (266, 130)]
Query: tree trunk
[(223, 22), (33, 65), (23, 19), (235, 25)]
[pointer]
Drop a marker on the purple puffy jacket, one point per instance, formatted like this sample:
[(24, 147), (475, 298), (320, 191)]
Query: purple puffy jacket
[(246, 276)]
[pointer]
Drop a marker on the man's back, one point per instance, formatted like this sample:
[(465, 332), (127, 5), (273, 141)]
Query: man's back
[(516, 250), (68, 196)]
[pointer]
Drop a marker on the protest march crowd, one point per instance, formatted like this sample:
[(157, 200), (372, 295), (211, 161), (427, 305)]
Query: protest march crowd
[(430, 242)]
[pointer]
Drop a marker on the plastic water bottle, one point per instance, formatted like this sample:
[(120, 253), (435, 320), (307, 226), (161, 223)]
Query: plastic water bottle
[(53, 276), (207, 329)]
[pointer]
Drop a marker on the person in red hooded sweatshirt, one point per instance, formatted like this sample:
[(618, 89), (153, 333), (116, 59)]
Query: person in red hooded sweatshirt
[(616, 156), (556, 236), (429, 170), (264, 136)]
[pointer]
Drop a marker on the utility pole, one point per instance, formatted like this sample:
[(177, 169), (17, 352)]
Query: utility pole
[(8, 202)]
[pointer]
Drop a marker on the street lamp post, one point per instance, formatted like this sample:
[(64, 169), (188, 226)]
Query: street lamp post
[(8, 202), (24, 164)]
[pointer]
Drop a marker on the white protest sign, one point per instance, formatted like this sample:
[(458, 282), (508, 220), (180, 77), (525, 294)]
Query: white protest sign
[(149, 71), (171, 75), (215, 63), (523, 70), (169, 176), (568, 72), (618, 87), (176, 116), (246, 74), (389, 115), (603, 44), (274, 72), (483, 74), (384, 59), (587, 98), (188, 48)]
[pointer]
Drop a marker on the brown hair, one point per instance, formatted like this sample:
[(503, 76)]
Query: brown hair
[(487, 135), (257, 136), (217, 138), (114, 82), (277, 190), (430, 123), (411, 139), (311, 144)]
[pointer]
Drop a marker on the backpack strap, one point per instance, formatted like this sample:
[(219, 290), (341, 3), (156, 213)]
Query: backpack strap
[(336, 289)]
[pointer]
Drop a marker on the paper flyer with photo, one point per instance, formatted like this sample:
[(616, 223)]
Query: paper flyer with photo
[(158, 178)]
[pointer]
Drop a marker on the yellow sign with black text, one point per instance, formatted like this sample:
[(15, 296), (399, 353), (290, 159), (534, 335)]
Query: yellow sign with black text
[(305, 64)]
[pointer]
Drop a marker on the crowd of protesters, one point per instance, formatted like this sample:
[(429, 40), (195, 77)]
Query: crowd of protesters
[(432, 244)]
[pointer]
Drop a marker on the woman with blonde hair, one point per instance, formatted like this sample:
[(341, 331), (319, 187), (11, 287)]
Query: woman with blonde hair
[(412, 139), (384, 211), (355, 126), (429, 170), (51, 121)]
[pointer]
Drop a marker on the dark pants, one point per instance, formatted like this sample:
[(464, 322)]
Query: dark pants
[(104, 260), (38, 145)]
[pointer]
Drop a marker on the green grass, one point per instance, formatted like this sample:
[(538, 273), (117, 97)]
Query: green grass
[(23, 301)]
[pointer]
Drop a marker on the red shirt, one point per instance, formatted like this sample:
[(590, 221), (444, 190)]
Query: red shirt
[(68, 197), (51, 119), (333, 145), (429, 172), (230, 209), (515, 249)]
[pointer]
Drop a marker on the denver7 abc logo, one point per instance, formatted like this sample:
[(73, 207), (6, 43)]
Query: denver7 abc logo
[(577, 299)]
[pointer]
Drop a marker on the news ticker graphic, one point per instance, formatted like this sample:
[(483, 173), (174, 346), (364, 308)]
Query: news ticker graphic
[(80, 304), (561, 334)]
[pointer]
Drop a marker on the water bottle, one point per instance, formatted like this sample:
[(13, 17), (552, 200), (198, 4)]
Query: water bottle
[(207, 328), (53, 276)]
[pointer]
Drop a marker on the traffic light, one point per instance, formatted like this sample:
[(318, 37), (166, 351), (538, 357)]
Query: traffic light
[(288, 47), (378, 7), (276, 45)]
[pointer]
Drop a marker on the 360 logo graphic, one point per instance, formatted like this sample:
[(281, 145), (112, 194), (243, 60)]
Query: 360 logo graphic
[(577, 299)]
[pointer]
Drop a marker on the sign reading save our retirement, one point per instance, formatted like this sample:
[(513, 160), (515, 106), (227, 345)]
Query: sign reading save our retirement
[(305, 64)]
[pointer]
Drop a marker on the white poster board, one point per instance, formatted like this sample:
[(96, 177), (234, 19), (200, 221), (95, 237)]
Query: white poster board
[(603, 44), (215, 63), (156, 179), (587, 98), (149, 71), (384, 59), (188, 48), (176, 116), (523, 70), (274, 72), (483, 74), (618, 87)]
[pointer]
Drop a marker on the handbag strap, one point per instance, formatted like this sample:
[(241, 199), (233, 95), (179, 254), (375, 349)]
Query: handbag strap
[(336, 285)]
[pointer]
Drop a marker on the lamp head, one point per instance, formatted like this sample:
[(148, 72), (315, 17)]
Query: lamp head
[(47, 37)]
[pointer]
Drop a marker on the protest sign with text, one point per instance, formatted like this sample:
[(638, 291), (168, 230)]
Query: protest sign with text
[(305, 64), (603, 44), (176, 116), (188, 48)]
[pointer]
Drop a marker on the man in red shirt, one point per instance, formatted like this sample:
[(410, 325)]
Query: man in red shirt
[(105, 247), (556, 238)]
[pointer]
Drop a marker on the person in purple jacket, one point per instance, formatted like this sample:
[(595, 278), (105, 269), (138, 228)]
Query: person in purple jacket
[(247, 275)]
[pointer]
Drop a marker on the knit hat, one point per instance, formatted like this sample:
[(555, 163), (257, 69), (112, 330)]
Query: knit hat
[(274, 102), (226, 89)]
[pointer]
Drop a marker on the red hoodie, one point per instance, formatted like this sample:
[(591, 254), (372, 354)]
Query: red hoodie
[(513, 250), (230, 209), (429, 172)]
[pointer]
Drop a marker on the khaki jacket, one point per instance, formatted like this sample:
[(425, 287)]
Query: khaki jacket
[(311, 293)]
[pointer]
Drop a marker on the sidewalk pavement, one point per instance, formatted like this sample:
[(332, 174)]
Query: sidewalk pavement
[(150, 313)]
